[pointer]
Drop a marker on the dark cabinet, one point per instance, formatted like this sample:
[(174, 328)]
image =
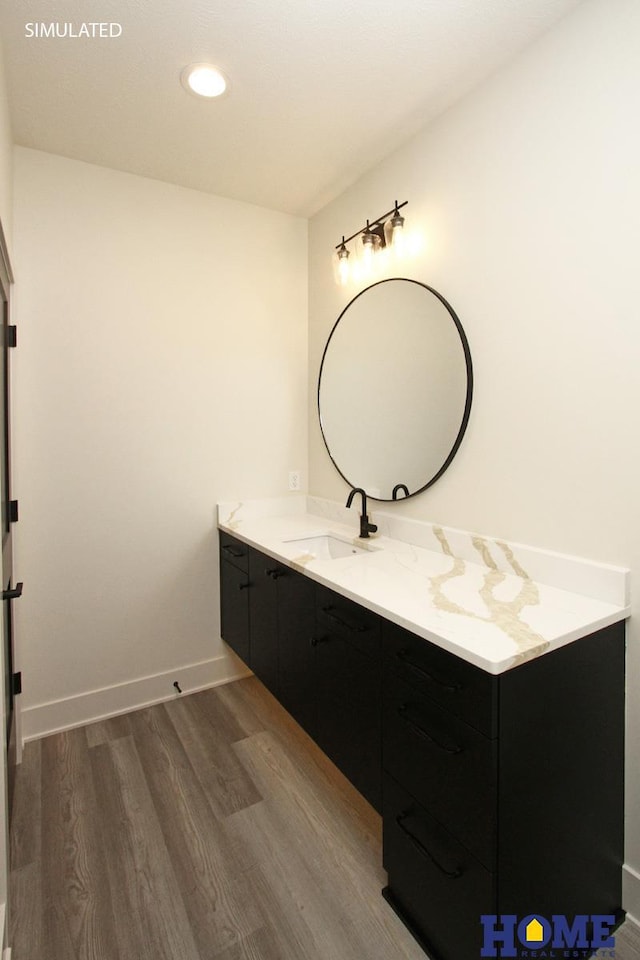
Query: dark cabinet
[(436, 885), (502, 795), (349, 695), (268, 618), (445, 763), (234, 596), (264, 574), (297, 680)]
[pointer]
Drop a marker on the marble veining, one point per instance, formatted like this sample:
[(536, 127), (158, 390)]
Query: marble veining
[(505, 614), (231, 522), (493, 603)]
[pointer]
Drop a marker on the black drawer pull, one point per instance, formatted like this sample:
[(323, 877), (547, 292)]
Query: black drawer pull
[(275, 573), (451, 687), (452, 874), (314, 641), (402, 712), (244, 586), (353, 627), (233, 551)]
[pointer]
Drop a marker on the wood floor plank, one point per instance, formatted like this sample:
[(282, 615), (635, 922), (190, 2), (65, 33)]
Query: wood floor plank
[(208, 730), (628, 941), (102, 731), (312, 910), (261, 945), (248, 702), (213, 705), (209, 864), (26, 913), (152, 920), (25, 837), (285, 936), (78, 921)]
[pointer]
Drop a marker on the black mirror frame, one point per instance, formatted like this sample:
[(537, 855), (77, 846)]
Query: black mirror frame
[(469, 396)]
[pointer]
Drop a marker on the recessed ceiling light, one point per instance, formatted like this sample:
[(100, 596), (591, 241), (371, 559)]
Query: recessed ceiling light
[(203, 80)]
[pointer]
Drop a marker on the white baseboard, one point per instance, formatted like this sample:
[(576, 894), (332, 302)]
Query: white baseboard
[(631, 893), (57, 715)]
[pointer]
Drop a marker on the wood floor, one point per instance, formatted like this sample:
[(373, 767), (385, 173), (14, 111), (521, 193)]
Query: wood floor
[(207, 828)]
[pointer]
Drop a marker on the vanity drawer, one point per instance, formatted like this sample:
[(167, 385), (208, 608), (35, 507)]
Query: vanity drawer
[(234, 610), (433, 880), (343, 618), (445, 764), (460, 687), (234, 551)]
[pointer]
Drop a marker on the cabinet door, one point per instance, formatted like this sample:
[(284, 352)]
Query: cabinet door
[(460, 687), (263, 617), (436, 885), (349, 708), (448, 766), (296, 643), (234, 609)]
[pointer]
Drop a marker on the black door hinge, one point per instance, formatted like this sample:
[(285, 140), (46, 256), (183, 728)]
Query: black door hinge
[(13, 511), (16, 683), (12, 335)]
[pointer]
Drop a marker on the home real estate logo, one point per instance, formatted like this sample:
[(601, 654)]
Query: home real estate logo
[(534, 936)]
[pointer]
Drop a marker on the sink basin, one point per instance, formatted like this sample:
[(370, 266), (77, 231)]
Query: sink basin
[(326, 547)]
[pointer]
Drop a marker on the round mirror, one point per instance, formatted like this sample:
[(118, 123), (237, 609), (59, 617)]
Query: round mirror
[(394, 390)]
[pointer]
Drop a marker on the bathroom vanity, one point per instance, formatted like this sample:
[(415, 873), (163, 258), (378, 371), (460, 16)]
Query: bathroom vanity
[(480, 710)]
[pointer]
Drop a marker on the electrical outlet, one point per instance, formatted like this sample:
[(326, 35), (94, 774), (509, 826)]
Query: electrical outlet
[(294, 480)]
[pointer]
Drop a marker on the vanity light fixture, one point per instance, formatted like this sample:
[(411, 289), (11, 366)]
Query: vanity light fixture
[(376, 235), (203, 80)]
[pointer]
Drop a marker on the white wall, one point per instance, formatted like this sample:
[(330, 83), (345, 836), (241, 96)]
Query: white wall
[(528, 196), (161, 367)]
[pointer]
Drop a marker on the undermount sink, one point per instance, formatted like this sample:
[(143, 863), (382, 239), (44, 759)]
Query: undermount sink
[(327, 547)]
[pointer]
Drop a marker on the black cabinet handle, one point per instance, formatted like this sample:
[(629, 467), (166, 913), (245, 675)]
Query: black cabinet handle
[(275, 573), (13, 594), (404, 658), (244, 586), (314, 641), (421, 732), (233, 551), (452, 874), (353, 627)]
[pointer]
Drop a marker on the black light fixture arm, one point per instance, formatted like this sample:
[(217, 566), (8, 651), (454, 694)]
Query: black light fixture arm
[(373, 225)]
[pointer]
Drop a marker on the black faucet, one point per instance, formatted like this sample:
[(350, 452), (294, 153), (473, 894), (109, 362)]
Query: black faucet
[(365, 527)]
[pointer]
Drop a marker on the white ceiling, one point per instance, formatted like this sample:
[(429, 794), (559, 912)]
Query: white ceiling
[(321, 90)]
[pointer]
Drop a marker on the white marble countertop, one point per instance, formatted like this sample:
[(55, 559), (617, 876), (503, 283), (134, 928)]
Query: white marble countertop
[(493, 604)]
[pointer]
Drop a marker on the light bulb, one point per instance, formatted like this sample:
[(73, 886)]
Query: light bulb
[(343, 264), (397, 232), (370, 243), (204, 80)]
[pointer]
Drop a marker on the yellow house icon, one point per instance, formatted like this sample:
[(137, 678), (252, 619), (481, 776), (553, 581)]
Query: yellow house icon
[(534, 931)]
